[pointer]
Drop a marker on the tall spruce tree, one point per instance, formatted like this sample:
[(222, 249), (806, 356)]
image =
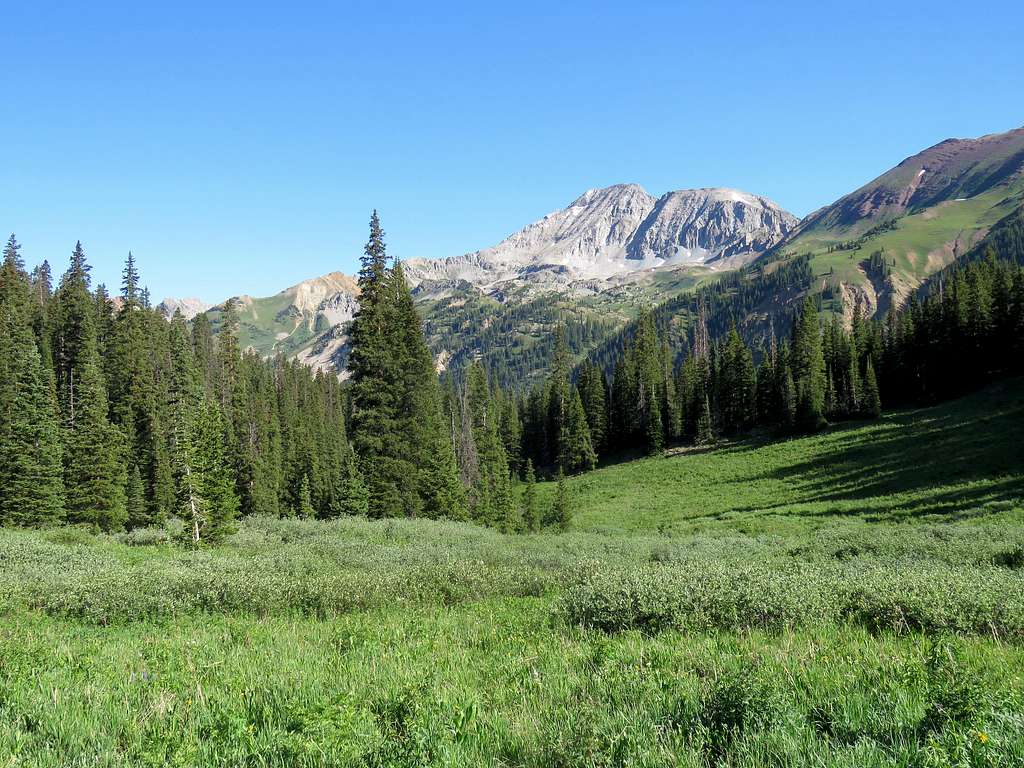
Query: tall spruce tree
[(355, 499), (738, 390), (558, 400), (531, 508), (871, 402), (94, 450), (577, 451), (426, 442), (31, 482), (405, 455), (210, 480), (135, 400), (807, 364), (491, 494), (593, 393)]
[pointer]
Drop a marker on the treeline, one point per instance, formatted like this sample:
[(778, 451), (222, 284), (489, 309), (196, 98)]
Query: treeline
[(650, 402), (116, 417), (965, 331), (113, 417), (760, 291)]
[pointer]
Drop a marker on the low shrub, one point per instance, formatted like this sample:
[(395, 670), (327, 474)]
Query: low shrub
[(926, 597)]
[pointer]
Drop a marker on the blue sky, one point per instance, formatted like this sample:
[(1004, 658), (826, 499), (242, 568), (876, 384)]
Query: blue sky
[(240, 149)]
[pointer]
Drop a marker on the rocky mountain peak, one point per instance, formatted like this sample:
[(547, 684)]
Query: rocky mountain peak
[(189, 308), (617, 231), (704, 225)]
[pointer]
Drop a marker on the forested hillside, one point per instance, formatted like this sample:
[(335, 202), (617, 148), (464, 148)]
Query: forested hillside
[(119, 418)]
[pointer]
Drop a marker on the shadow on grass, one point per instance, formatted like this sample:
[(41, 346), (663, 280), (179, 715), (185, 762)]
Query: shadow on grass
[(915, 456)]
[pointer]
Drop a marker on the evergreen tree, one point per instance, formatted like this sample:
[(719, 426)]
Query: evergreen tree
[(558, 401), (871, 402), (738, 385), (247, 398), (305, 506), (592, 388), (135, 498), (405, 454), (31, 483), (511, 520), (213, 476), (577, 452), (203, 350), (807, 364), (561, 508), (355, 499), (373, 372), (787, 398), (491, 495), (535, 442), (135, 401), (42, 295), (428, 448), (94, 470), (531, 509), (622, 428), (511, 430), (650, 385), (704, 432)]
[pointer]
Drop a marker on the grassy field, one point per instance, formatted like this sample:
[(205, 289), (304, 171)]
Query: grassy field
[(855, 598)]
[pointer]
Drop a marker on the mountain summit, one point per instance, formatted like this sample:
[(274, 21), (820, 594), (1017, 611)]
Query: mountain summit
[(614, 232)]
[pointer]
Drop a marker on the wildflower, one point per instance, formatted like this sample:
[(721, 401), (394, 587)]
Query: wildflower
[(982, 737)]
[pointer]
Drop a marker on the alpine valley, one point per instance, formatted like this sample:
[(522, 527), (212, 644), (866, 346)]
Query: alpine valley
[(593, 265)]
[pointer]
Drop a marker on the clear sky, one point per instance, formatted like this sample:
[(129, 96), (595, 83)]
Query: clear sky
[(240, 148)]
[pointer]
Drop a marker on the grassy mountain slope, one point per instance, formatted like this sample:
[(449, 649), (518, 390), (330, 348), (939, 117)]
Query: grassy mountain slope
[(955, 461), (918, 218), (307, 320)]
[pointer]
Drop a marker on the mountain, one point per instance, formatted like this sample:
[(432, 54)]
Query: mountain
[(590, 265), (881, 241), (614, 234), (306, 321), (954, 169), (593, 265), (188, 307)]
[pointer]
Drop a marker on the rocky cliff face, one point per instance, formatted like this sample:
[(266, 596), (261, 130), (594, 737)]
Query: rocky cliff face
[(331, 296), (614, 232), (188, 307), (702, 225)]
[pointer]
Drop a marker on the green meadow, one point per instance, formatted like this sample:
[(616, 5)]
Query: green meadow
[(854, 598)]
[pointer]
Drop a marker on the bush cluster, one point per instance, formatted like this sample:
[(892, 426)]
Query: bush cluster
[(934, 578), (932, 597)]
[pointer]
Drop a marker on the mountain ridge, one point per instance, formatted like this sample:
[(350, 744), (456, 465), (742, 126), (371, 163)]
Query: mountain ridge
[(612, 232), (615, 250)]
